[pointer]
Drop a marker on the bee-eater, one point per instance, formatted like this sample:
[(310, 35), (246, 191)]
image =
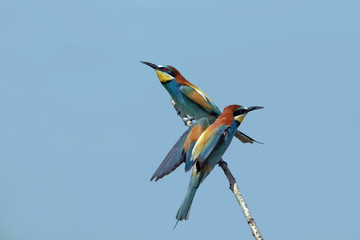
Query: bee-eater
[(190, 101), (204, 147)]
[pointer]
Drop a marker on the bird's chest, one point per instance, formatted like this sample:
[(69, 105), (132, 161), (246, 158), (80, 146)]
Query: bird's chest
[(216, 155), (185, 104)]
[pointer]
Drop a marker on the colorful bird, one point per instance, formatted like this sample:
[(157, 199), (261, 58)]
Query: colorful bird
[(204, 147), (191, 101)]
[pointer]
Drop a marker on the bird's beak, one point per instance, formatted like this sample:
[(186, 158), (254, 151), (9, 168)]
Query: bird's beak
[(163, 77), (249, 109), (241, 117), (154, 66)]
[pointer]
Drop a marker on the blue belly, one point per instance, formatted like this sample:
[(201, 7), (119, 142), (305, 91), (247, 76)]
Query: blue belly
[(186, 106)]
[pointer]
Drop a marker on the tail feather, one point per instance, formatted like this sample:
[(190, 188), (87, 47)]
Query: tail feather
[(184, 210), (245, 138)]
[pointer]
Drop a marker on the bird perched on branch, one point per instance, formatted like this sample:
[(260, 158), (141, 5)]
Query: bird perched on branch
[(204, 147), (190, 101)]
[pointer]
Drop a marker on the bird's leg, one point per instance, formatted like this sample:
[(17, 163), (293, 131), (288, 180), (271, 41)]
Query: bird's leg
[(191, 119), (188, 121)]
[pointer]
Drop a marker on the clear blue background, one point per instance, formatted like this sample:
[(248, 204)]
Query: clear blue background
[(84, 125)]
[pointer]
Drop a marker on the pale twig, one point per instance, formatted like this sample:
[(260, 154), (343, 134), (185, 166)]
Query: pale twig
[(235, 189), (233, 186)]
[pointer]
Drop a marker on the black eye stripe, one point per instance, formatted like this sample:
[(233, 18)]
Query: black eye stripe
[(168, 71), (164, 69), (239, 112)]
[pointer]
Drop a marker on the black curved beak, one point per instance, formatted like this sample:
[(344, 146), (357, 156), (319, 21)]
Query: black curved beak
[(249, 109), (150, 65)]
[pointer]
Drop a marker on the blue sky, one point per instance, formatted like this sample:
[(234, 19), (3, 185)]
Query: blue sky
[(84, 125)]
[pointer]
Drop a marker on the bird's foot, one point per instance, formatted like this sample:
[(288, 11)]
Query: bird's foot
[(188, 121)]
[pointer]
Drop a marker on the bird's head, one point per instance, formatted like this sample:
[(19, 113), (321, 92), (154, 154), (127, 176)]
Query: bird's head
[(165, 73), (240, 112)]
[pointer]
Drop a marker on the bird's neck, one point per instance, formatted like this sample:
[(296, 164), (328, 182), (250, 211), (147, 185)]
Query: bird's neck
[(226, 118), (182, 81)]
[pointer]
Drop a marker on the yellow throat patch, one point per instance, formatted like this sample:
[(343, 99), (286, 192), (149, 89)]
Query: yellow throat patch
[(240, 118), (163, 77)]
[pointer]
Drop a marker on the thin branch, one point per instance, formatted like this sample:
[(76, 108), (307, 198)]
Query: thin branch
[(235, 189), (233, 185)]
